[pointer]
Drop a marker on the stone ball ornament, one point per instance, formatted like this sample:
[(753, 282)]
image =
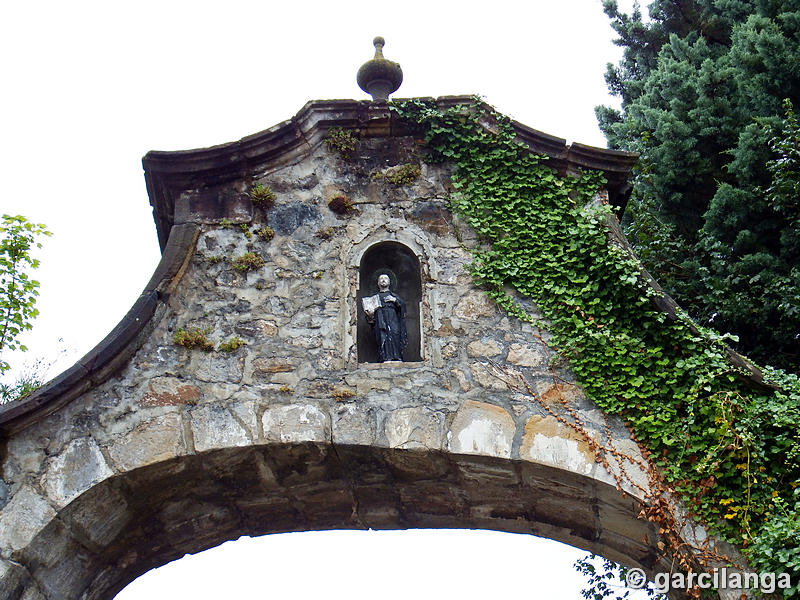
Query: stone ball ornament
[(379, 77)]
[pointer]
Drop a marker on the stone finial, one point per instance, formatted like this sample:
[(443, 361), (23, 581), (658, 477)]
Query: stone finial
[(379, 77)]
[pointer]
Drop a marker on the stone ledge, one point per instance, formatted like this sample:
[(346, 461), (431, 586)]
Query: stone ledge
[(394, 365)]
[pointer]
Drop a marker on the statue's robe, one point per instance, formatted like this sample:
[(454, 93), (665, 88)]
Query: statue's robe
[(389, 326)]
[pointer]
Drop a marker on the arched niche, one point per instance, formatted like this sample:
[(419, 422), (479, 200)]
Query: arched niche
[(403, 268)]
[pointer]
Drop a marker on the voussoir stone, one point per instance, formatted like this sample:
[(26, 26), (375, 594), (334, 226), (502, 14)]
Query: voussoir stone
[(213, 426), (23, 518), (415, 427), (151, 442), (75, 470), (12, 579), (296, 423), (353, 425), (482, 428), (546, 440)]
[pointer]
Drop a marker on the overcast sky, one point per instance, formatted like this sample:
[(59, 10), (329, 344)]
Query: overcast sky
[(90, 87)]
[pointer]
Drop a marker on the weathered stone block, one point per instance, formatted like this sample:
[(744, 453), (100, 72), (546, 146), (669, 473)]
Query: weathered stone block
[(218, 368), (415, 427), (100, 516), (5, 492), (547, 441), (481, 428), (213, 426), (353, 424), (461, 377), (213, 205), (170, 391), (296, 423), (559, 393), (364, 384), (256, 329), (487, 376), (475, 305), (75, 470), (275, 365), (525, 356), (151, 442), (13, 580), (483, 349), (23, 518)]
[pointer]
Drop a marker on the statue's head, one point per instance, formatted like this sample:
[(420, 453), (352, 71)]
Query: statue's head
[(383, 282)]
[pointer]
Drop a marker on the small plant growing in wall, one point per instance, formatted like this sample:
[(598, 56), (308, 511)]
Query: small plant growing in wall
[(232, 345), (340, 141), (341, 204), (266, 233), (262, 196), (325, 234), (193, 339), (247, 262), (403, 175), (246, 230)]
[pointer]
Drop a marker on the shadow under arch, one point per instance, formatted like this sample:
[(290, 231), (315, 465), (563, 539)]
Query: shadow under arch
[(142, 519)]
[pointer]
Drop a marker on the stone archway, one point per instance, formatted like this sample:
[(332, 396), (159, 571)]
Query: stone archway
[(151, 447), (133, 522)]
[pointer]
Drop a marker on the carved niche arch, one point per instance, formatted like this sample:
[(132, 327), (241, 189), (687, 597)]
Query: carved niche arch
[(403, 267)]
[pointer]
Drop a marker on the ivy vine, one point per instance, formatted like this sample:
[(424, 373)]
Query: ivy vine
[(728, 445)]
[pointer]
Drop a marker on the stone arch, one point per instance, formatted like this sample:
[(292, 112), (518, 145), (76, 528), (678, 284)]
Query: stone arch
[(137, 520), (146, 450), (403, 265)]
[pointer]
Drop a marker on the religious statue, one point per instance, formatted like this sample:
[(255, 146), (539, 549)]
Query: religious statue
[(386, 313)]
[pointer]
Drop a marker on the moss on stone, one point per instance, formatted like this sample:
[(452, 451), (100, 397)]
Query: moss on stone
[(266, 233), (231, 345), (403, 174), (340, 141), (193, 339), (248, 261)]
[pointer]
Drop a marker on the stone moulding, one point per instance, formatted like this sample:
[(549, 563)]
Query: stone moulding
[(169, 173)]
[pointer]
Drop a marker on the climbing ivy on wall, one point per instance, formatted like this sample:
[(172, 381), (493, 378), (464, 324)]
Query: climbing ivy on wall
[(727, 444)]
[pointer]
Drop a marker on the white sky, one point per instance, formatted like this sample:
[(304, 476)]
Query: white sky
[(90, 87)]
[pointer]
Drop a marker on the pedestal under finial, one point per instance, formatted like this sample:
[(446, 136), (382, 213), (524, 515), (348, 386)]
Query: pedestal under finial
[(379, 77)]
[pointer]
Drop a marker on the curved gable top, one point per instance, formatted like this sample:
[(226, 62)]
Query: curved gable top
[(168, 174)]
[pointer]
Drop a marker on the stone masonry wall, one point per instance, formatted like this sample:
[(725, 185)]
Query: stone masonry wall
[(71, 476)]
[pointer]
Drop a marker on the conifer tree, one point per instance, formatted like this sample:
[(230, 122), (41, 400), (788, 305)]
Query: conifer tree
[(707, 88)]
